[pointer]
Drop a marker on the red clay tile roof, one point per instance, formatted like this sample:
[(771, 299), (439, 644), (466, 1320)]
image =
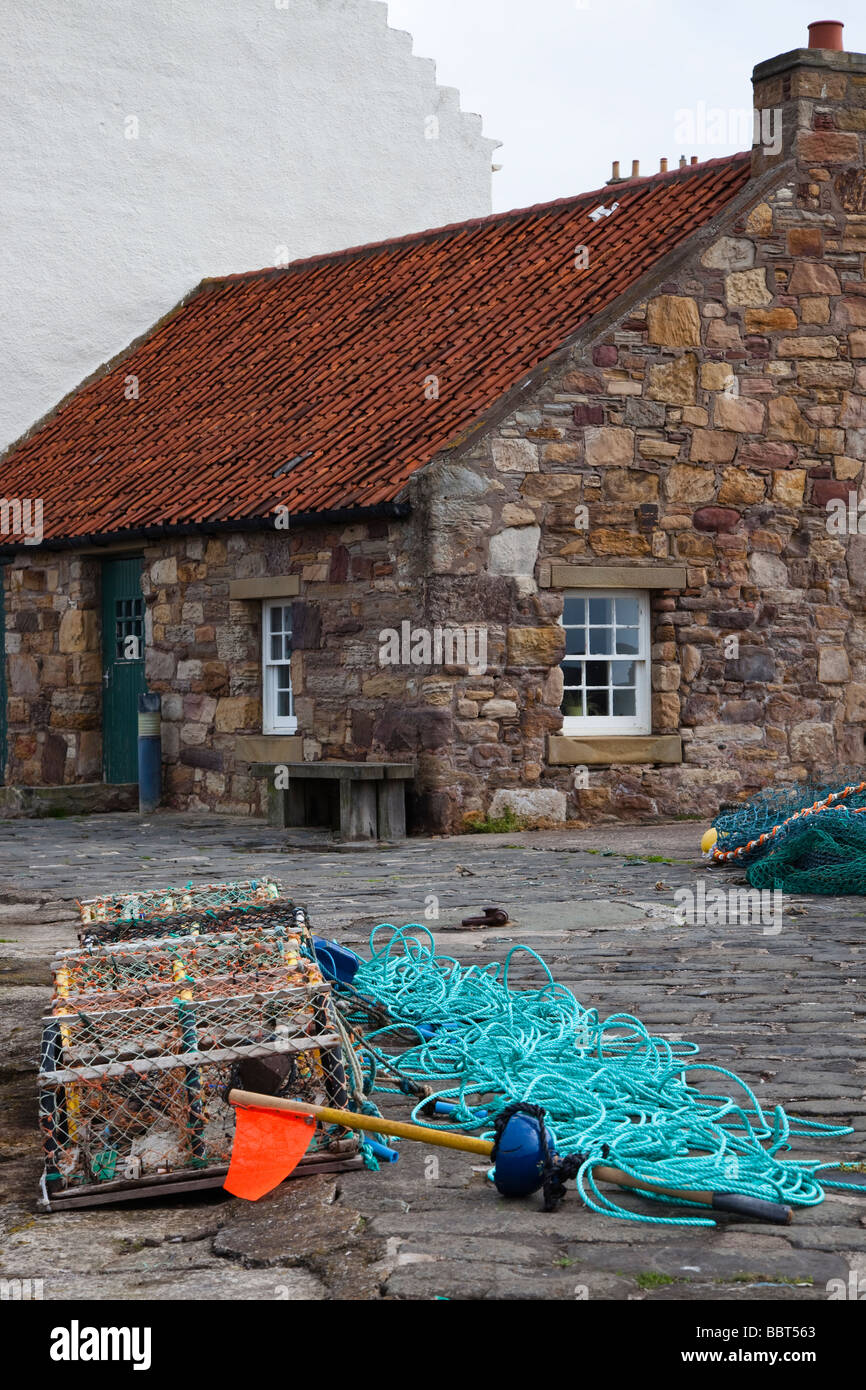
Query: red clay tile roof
[(324, 362)]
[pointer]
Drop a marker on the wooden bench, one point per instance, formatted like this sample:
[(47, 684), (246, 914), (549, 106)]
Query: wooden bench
[(358, 801)]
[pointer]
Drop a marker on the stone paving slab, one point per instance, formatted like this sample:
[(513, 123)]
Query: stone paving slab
[(785, 1011)]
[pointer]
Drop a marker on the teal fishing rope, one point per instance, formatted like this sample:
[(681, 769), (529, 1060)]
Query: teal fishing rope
[(611, 1090)]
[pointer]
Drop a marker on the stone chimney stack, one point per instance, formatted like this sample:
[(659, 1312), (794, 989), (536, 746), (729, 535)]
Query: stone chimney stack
[(810, 104)]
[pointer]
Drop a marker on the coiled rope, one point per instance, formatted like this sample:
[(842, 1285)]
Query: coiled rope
[(611, 1091)]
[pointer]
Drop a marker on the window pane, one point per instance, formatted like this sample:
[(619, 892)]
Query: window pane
[(597, 703), (627, 641), (283, 679), (574, 612), (604, 659), (627, 612), (601, 641), (625, 702), (279, 633), (281, 618)]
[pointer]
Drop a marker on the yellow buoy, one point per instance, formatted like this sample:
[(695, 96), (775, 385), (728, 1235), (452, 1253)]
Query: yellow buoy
[(709, 840)]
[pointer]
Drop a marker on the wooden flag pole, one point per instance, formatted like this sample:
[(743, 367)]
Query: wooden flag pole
[(736, 1202)]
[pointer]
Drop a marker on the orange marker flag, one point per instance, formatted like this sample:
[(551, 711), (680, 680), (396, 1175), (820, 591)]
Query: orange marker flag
[(268, 1146)]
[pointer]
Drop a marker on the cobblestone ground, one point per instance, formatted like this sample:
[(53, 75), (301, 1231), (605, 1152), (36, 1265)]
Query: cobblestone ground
[(785, 1011)]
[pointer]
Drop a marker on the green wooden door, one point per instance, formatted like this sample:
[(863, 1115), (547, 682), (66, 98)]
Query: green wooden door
[(122, 666), (3, 724)]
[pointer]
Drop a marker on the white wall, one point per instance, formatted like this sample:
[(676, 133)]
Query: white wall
[(262, 124)]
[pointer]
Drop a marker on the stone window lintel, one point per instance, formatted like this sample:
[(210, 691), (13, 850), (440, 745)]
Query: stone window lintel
[(616, 577), (274, 586)]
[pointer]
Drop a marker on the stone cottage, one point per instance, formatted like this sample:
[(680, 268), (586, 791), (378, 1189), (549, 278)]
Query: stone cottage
[(559, 508)]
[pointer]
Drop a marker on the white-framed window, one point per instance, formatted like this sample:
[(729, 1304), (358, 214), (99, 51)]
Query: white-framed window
[(607, 662), (278, 706)]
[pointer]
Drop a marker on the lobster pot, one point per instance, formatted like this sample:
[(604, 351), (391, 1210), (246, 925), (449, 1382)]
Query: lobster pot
[(135, 1101), (135, 973), (281, 914), (154, 905)]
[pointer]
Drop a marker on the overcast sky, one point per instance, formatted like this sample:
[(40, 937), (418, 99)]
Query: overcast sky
[(570, 85)]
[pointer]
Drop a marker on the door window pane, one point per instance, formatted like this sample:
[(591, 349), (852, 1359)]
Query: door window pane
[(128, 622)]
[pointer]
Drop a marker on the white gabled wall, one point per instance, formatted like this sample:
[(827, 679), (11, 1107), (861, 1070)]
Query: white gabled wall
[(264, 131)]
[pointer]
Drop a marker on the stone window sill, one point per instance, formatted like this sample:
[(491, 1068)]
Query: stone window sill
[(269, 748), (571, 750)]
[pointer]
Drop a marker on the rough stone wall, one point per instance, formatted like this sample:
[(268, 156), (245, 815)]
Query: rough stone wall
[(481, 540), (203, 655), (204, 650), (709, 427), (53, 670), (202, 659)]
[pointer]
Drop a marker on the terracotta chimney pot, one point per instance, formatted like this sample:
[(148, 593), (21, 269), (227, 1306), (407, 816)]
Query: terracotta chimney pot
[(826, 33)]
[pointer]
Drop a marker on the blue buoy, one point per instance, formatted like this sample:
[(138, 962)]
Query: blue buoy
[(336, 962), (519, 1157)]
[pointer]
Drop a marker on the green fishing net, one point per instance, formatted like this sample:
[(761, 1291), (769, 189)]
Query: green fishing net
[(822, 852)]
